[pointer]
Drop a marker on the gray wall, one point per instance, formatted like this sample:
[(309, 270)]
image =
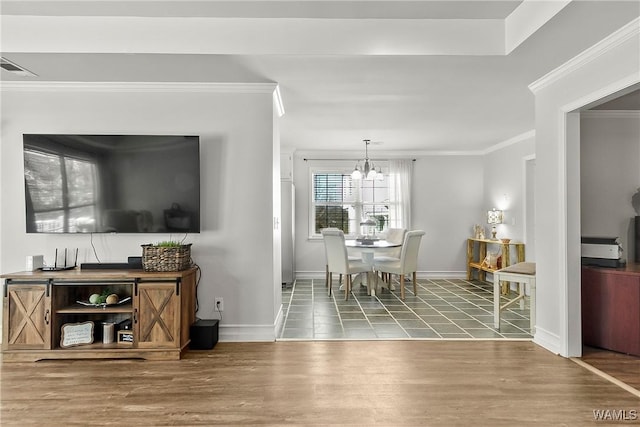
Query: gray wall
[(504, 188), (609, 174), (237, 248)]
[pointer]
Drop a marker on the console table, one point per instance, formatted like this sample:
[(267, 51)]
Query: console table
[(477, 251), (611, 308), (36, 306)]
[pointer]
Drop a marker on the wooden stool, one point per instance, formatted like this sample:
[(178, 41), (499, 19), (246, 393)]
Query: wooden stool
[(522, 273)]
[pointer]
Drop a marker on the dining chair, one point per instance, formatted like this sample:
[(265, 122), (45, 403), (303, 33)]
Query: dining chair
[(326, 257), (394, 235), (407, 263), (326, 273), (338, 260)]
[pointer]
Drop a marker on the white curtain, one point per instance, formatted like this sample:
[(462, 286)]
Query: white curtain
[(400, 176)]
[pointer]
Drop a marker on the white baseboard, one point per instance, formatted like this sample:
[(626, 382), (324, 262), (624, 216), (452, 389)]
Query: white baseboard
[(307, 275), (442, 274), (547, 340), (317, 275), (246, 333)]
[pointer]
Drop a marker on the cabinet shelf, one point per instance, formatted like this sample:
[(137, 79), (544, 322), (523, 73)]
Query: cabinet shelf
[(81, 309), (479, 266), (96, 346), (477, 251)]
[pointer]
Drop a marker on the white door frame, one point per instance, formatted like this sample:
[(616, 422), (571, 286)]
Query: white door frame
[(526, 183)]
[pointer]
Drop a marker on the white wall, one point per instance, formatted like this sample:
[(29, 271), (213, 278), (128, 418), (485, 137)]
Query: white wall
[(504, 176), (236, 246), (609, 174), (276, 237), (610, 66)]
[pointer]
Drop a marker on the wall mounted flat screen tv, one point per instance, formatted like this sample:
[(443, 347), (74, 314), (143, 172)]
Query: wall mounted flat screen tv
[(112, 183)]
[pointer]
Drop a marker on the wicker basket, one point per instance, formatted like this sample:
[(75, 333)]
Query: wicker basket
[(162, 258)]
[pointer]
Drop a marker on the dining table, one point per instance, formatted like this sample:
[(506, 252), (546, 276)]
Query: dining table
[(368, 249)]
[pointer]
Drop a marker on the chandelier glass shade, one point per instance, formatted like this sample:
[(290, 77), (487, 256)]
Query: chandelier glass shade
[(368, 171)]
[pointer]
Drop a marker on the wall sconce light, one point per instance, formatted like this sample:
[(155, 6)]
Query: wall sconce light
[(494, 216)]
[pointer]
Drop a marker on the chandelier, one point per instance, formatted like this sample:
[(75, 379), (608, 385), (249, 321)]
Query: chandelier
[(369, 170)]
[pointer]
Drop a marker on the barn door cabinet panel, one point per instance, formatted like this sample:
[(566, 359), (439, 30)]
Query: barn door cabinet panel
[(159, 307), (27, 317), (158, 314)]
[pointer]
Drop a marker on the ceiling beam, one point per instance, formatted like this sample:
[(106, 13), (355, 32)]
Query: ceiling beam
[(527, 18), (247, 36)]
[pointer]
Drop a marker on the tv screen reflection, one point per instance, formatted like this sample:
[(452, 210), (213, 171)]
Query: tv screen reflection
[(111, 183)]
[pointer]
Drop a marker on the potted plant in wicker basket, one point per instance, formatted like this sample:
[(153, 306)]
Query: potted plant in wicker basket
[(166, 256)]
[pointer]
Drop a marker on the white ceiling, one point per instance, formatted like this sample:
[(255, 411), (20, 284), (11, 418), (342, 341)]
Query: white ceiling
[(420, 76)]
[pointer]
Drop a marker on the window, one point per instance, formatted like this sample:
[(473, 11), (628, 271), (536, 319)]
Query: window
[(339, 201), (61, 191)]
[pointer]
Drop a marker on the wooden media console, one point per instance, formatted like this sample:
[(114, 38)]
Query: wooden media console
[(157, 310)]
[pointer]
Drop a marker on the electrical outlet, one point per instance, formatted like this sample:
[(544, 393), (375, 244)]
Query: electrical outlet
[(219, 302)]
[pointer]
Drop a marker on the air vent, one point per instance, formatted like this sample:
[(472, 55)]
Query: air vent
[(14, 68)]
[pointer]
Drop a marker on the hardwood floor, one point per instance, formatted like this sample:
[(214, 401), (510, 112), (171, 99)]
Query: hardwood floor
[(391, 383), (623, 367)]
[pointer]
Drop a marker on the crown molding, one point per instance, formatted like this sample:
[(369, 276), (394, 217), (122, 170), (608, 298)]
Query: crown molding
[(610, 114), (54, 86), (440, 153), (352, 155), (379, 155), (518, 138), (407, 154), (632, 29)]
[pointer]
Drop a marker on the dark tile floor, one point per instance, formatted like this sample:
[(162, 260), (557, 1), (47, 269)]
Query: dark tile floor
[(443, 309)]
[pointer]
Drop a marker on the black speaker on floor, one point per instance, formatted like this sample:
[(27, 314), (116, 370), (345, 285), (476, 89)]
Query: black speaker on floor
[(204, 334)]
